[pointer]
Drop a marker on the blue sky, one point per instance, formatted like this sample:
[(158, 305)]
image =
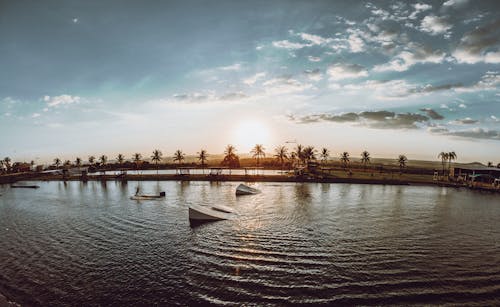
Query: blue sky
[(102, 77)]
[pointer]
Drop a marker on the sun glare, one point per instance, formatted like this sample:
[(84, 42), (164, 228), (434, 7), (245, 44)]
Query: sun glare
[(249, 133)]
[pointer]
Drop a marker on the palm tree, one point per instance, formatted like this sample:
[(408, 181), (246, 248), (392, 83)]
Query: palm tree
[(67, 163), (344, 158), (57, 162), (1, 166), (490, 164), (258, 152), (402, 162), (309, 153), (451, 156), (325, 153), (78, 162), (444, 157), (120, 159), (365, 158), (91, 160), (156, 157), (137, 159), (281, 154), (6, 161), (299, 153), (293, 157), (103, 159), (230, 157), (179, 156), (202, 157), (230, 151)]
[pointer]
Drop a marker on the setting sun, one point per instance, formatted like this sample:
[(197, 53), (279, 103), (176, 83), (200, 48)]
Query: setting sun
[(248, 133)]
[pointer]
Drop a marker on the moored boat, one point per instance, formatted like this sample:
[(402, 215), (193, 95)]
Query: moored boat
[(215, 213), (243, 189), (148, 197)]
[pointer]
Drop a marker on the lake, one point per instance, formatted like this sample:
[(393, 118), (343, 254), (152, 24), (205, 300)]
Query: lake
[(295, 243)]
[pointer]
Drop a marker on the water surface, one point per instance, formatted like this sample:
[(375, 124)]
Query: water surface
[(88, 243)]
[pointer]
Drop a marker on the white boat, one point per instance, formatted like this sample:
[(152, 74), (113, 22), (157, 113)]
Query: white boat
[(148, 197), (215, 213), (243, 189)]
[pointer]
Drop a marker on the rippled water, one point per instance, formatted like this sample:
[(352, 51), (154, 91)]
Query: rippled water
[(341, 244)]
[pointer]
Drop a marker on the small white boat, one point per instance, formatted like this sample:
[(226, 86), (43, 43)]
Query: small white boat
[(148, 197), (243, 189), (215, 213)]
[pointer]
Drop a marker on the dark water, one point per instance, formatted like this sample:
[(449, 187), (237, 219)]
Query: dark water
[(329, 244)]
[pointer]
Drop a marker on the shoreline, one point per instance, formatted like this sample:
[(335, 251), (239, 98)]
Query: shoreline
[(356, 178)]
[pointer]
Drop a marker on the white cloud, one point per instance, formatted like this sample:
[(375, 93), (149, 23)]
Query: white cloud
[(435, 25), (313, 58), (234, 67), (35, 115), (404, 60), (384, 15), (489, 82), (419, 7), (480, 45), (464, 121), (383, 90), (346, 71), (204, 98), (60, 100), (315, 39), (422, 6), (356, 43), (464, 56), (10, 101), (462, 106), (454, 2), (284, 85), (286, 44), (251, 80), (314, 75)]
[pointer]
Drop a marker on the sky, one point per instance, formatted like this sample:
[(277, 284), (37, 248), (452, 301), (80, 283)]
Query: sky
[(81, 78)]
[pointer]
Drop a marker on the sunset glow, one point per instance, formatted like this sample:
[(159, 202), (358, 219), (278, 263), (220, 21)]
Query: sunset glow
[(248, 133)]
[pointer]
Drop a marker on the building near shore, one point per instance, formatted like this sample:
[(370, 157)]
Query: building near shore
[(475, 173)]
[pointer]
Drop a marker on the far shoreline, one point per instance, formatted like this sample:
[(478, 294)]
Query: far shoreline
[(341, 177)]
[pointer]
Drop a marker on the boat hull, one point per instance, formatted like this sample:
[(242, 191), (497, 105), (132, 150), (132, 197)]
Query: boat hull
[(25, 186), (146, 197), (246, 190), (206, 214)]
